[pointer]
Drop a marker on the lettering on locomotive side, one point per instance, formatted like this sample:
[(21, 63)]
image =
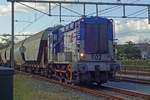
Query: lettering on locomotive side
[(96, 57)]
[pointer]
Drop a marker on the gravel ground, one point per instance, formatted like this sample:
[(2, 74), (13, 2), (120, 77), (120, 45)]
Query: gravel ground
[(47, 87), (44, 87)]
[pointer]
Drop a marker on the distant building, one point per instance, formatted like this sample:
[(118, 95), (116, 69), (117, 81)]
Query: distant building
[(145, 50)]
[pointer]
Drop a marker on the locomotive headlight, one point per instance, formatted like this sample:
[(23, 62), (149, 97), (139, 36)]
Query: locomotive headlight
[(82, 20), (110, 20), (82, 54)]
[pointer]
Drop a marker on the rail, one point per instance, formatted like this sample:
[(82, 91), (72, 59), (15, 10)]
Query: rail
[(145, 96), (133, 80), (86, 90)]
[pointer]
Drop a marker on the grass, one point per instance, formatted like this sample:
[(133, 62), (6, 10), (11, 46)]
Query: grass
[(23, 90)]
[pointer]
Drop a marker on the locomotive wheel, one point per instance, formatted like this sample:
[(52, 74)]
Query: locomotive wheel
[(63, 80), (59, 79), (33, 71), (46, 73), (25, 69), (49, 74), (99, 83), (42, 72)]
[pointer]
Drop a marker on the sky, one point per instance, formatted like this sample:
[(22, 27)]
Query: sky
[(28, 21)]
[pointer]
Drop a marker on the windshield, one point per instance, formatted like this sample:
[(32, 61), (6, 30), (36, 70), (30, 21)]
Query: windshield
[(96, 38)]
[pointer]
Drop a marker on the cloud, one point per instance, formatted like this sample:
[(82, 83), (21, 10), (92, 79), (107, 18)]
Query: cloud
[(132, 30), (133, 38), (132, 26), (18, 38), (26, 35), (5, 10)]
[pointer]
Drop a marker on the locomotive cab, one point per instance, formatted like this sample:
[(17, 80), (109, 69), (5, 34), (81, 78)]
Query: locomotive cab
[(96, 50)]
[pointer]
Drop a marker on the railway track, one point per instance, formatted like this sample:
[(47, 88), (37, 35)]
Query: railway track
[(93, 91), (86, 90), (133, 80), (135, 73), (131, 93), (136, 69)]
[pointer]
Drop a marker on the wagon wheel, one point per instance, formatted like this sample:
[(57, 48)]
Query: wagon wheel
[(68, 76), (49, 73)]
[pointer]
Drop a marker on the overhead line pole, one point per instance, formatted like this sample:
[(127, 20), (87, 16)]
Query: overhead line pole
[(12, 42), (124, 12), (60, 13), (96, 10), (84, 13), (149, 14), (49, 9)]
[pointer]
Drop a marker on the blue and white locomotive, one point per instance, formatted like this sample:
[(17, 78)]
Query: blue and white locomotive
[(87, 46), (80, 52)]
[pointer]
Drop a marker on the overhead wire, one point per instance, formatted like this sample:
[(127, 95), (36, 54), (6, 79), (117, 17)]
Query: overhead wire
[(130, 15), (69, 10), (125, 19), (110, 8), (46, 14), (73, 11), (33, 8), (141, 13), (32, 22), (35, 14), (133, 31), (103, 10), (137, 12)]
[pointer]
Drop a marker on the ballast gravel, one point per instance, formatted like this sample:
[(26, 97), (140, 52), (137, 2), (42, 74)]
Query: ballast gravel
[(47, 87)]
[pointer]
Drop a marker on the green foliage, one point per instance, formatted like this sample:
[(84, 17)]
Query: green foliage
[(128, 51)]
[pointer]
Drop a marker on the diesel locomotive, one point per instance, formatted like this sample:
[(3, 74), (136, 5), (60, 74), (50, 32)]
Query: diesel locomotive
[(79, 52)]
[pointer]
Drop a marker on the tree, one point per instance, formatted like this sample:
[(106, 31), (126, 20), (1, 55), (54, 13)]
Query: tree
[(129, 51), (120, 53)]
